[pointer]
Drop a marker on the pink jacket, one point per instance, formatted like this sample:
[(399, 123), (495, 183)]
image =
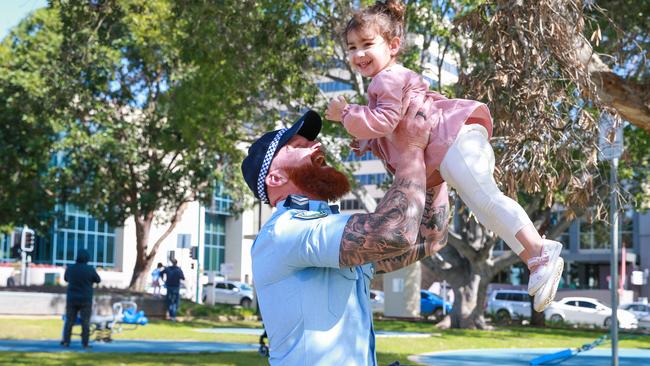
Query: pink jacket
[(389, 96)]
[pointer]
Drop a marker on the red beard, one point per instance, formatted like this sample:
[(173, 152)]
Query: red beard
[(323, 182)]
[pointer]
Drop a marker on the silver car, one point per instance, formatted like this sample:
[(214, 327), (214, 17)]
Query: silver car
[(641, 311), (505, 305), (230, 292)]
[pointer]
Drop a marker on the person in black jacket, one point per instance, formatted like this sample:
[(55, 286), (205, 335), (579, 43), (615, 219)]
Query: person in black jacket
[(79, 299), (173, 276)]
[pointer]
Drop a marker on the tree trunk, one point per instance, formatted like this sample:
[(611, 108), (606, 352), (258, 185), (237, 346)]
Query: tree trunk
[(143, 260), (468, 302), (536, 319), (145, 257)]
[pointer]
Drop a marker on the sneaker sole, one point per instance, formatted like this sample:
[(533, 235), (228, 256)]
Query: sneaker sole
[(548, 299), (552, 258)]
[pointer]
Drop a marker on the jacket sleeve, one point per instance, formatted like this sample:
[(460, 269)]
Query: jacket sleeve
[(182, 275), (96, 278), (364, 122), (65, 274)]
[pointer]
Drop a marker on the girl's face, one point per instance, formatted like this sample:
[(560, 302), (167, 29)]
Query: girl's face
[(369, 52)]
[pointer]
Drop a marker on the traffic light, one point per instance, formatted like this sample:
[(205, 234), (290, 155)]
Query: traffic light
[(194, 252), (28, 239)]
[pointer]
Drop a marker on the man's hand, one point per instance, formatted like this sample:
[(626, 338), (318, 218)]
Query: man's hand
[(392, 229), (335, 109), (413, 131)]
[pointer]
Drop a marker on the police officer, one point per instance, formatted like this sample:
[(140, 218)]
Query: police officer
[(311, 265)]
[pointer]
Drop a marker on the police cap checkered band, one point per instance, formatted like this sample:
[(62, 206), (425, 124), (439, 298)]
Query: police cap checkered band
[(257, 163), (266, 163)]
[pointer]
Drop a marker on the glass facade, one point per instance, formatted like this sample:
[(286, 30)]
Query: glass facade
[(365, 157), (75, 229), (214, 249), (333, 86), (5, 247), (367, 179), (596, 235)]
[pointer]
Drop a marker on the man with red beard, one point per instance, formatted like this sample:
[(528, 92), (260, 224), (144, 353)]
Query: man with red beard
[(311, 265)]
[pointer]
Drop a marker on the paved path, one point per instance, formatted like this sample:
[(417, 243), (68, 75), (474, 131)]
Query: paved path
[(125, 346), (258, 332), (512, 357)]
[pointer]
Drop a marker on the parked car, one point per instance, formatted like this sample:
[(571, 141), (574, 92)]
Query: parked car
[(506, 305), (377, 301), (641, 311), (230, 292), (585, 310), (431, 305)]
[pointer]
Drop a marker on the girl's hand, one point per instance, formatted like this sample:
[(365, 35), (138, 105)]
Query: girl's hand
[(335, 109)]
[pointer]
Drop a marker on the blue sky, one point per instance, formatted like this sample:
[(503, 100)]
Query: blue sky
[(12, 11)]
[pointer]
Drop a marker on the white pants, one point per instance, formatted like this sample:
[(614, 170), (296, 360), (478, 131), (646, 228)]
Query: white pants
[(468, 167)]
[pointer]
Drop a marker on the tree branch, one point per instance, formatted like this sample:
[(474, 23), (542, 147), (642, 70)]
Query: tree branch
[(630, 99), (456, 241)]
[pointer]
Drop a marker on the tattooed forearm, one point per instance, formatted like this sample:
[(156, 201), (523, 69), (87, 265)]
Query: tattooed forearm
[(407, 258), (433, 232), (435, 220), (389, 231)]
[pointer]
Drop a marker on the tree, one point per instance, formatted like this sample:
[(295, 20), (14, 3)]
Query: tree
[(142, 103), (156, 93), (27, 57)]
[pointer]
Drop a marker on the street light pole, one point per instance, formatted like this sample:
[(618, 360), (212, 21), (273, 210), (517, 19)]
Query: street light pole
[(198, 258), (614, 266)]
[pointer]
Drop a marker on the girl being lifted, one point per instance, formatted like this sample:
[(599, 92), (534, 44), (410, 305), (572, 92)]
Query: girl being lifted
[(458, 152)]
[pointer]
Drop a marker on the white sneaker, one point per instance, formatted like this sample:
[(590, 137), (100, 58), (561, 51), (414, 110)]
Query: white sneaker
[(546, 294), (544, 265)]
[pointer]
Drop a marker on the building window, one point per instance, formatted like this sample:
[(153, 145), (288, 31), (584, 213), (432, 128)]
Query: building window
[(368, 179), (214, 251), (350, 205), (76, 229), (5, 247), (222, 203), (596, 235), (365, 157), (333, 86)]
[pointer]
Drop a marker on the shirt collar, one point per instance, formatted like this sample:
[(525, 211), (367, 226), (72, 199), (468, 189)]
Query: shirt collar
[(298, 202)]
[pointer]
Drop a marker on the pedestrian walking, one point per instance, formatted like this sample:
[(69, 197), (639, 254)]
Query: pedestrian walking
[(173, 276), (155, 279)]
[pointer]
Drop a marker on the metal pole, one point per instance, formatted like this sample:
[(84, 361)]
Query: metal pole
[(23, 257), (614, 260), (198, 259)]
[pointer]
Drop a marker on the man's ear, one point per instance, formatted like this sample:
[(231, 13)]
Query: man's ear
[(394, 46), (276, 178)]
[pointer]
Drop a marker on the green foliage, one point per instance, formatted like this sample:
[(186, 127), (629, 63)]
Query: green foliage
[(142, 103), (204, 311), (27, 124)]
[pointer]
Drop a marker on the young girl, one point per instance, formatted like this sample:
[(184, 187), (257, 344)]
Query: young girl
[(459, 151)]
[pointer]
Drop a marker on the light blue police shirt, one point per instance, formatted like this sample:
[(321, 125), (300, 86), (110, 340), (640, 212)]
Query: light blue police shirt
[(314, 312)]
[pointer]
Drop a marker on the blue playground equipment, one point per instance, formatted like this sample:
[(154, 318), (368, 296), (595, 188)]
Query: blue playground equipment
[(125, 317), (561, 356)]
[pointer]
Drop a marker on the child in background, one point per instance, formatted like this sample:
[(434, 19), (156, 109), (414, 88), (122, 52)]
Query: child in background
[(459, 151), (155, 279)]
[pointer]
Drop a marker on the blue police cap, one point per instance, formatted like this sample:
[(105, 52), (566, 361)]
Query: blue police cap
[(256, 164)]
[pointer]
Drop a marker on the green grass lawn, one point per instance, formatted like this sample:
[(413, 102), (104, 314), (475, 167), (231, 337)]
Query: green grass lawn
[(388, 349)]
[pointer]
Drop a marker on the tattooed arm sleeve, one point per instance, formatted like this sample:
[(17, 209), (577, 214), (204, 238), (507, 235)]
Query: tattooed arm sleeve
[(433, 232), (393, 228)]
